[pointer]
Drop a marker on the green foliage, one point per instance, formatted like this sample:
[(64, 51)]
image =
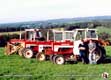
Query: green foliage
[(5, 38), (14, 67), (104, 35)]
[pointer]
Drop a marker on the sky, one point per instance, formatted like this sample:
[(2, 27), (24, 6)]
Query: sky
[(36, 10)]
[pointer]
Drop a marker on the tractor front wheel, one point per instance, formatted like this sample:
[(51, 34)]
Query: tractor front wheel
[(59, 60), (41, 56), (28, 53)]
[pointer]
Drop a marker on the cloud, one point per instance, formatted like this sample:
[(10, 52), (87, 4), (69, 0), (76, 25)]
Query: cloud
[(13, 10)]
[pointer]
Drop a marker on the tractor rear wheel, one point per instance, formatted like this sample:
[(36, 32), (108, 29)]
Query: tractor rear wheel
[(28, 53), (59, 59), (100, 54), (41, 56), (51, 57)]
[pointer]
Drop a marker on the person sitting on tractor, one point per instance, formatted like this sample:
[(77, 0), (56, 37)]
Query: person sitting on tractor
[(83, 52), (92, 48)]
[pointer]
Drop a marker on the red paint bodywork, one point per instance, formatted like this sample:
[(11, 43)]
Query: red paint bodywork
[(49, 46)]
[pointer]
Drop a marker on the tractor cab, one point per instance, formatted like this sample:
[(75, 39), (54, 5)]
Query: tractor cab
[(33, 34), (85, 34), (77, 34), (63, 35)]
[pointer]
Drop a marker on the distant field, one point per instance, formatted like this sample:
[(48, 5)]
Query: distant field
[(100, 29), (6, 33), (104, 29), (15, 67)]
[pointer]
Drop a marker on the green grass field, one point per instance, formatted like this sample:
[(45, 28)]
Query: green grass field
[(15, 67)]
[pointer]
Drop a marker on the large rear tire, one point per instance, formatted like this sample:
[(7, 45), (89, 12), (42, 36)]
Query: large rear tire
[(100, 54), (28, 53)]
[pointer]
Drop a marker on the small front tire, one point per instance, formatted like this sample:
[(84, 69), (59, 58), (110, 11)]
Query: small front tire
[(41, 56), (28, 53), (59, 60)]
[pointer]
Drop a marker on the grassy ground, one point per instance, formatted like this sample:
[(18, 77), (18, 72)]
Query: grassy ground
[(15, 67)]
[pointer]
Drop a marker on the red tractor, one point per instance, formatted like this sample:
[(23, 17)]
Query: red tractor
[(60, 46)]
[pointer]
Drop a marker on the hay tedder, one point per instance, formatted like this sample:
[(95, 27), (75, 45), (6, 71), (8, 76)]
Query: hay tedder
[(59, 46)]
